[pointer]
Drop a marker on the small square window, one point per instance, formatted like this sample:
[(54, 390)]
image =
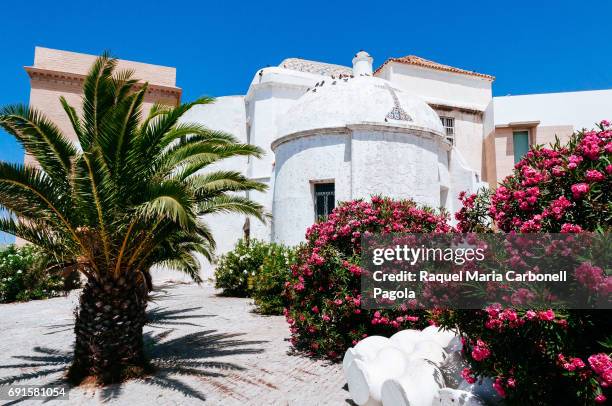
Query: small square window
[(324, 199), (449, 126)]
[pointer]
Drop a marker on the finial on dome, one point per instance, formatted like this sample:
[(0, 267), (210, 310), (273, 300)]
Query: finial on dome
[(362, 64)]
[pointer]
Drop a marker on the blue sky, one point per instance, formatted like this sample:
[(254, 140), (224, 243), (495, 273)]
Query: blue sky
[(217, 46)]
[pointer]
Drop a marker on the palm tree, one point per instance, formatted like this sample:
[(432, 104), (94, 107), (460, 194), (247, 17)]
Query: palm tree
[(128, 194)]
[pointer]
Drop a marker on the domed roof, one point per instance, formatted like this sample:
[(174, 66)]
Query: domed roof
[(341, 101)]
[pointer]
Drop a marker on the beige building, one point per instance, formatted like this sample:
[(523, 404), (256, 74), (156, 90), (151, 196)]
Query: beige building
[(532, 119), (58, 73)]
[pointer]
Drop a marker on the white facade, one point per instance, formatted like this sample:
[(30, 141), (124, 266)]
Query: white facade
[(577, 109), (367, 133)]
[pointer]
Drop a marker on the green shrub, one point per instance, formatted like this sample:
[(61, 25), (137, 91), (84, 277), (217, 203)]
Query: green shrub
[(236, 267), (24, 275), (269, 282)]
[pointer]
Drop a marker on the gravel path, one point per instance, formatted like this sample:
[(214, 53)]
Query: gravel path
[(208, 349)]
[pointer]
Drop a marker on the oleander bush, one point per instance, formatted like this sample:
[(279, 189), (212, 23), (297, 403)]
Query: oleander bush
[(269, 282), (24, 276), (324, 302), (545, 356)]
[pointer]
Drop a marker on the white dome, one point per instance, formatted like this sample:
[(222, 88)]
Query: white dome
[(338, 102)]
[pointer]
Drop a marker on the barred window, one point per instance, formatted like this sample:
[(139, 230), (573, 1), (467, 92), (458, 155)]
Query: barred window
[(325, 199), (449, 125)]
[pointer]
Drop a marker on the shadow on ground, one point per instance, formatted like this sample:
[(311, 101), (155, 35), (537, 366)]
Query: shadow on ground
[(190, 355)]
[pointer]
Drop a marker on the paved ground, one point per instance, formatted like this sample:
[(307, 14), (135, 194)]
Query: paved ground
[(209, 349)]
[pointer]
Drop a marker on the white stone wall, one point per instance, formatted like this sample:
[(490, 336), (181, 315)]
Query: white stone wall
[(468, 136), (400, 165), (318, 157), (440, 87), (362, 161), (465, 98), (271, 93)]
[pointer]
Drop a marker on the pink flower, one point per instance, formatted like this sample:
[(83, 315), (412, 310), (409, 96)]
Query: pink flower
[(574, 161), (530, 315), (593, 175), (480, 351), (578, 363), (589, 276), (315, 309), (600, 398), (316, 259), (511, 382), (547, 315), (600, 363), (579, 190), (570, 228), (468, 375), (326, 317), (558, 171), (497, 385)]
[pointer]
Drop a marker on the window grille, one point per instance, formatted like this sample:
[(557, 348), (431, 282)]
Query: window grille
[(449, 126), (325, 199)]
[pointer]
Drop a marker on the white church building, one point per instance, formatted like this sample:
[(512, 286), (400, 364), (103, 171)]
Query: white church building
[(333, 133), (412, 128)]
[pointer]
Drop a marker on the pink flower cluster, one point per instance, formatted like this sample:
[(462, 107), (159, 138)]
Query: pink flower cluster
[(324, 288), (570, 364), (592, 278), (480, 351), (602, 366), (499, 319), (499, 387), (468, 375), (549, 185)]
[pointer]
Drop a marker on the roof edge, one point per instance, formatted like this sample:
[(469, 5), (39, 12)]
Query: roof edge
[(424, 63)]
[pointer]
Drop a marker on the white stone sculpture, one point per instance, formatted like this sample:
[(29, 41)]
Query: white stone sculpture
[(413, 367), (416, 387), (406, 339), (442, 337), (365, 350), (429, 350), (365, 378), (455, 345)]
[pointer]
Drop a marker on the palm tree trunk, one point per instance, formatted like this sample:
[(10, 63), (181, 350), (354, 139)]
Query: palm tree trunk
[(108, 329)]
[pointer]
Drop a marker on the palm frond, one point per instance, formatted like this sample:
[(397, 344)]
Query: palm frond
[(169, 200), (39, 234), (40, 138), (195, 133), (157, 128), (30, 193), (219, 182), (232, 204), (98, 97)]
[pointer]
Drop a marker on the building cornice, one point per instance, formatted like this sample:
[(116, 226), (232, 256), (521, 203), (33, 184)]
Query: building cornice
[(517, 124), (450, 107), (350, 128), (77, 79)]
